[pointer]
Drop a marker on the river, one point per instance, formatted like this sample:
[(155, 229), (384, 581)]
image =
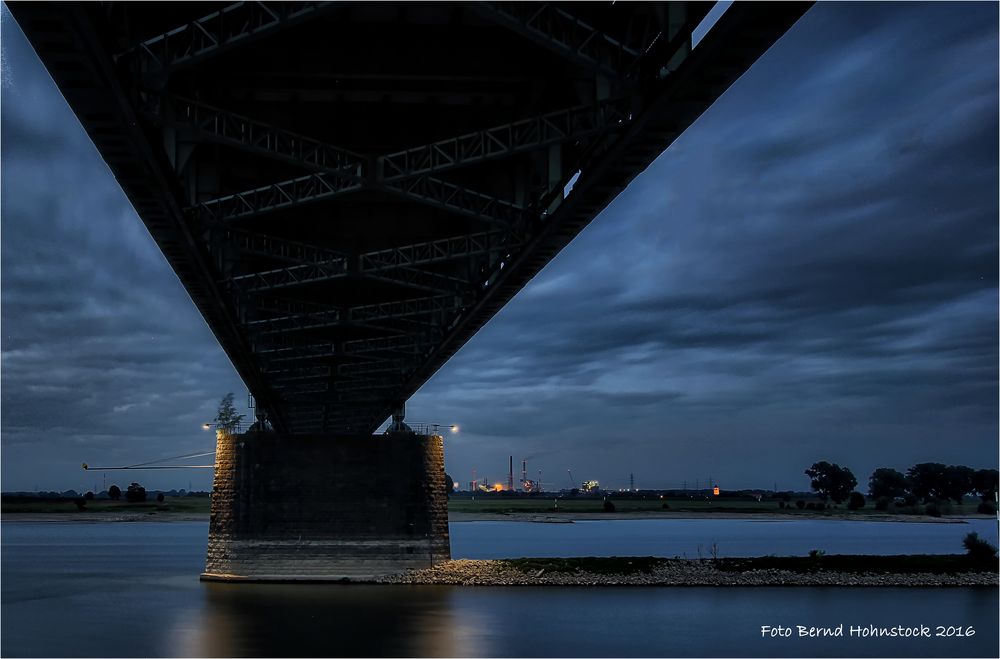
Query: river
[(131, 589)]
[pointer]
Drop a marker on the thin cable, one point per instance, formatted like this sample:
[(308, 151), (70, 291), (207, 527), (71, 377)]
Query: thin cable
[(176, 457)]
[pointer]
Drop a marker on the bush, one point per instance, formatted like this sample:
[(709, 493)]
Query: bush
[(81, 503), (979, 549), (135, 494), (816, 553), (781, 505), (608, 506), (986, 509), (932, 510), (883, 503), (159, 497), (665, 506), (89, 496), (800, 504), (856, 501)]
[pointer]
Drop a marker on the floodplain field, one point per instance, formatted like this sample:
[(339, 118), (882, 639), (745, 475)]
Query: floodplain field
[(493, 507)]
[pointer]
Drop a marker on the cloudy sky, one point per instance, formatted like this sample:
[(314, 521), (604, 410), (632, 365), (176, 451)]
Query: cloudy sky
[(809, 273)]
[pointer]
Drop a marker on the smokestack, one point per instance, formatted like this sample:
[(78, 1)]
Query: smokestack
[(510, 475), (524, 471)]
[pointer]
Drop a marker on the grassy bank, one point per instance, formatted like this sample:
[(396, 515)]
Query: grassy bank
[(840, 563), (499, 505), (183, 505)]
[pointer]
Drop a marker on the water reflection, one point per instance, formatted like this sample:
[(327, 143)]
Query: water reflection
[(332, 620)]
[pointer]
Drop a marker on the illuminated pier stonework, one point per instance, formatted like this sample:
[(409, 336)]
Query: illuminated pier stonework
[(376, 505)]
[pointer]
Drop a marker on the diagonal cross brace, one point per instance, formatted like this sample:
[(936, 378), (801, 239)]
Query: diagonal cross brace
[(238, 23)]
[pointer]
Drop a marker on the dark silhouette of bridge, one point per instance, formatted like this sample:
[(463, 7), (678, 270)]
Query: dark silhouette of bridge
[(349, 191)]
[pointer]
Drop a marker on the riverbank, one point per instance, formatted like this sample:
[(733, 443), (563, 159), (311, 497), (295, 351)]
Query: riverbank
[(911, 571), (569, 517), (165, 514)]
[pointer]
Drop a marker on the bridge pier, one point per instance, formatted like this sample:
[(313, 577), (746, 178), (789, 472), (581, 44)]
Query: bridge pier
[(326, 508)]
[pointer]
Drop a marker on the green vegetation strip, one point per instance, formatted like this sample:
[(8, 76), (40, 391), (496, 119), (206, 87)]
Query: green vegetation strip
[(843, 563)]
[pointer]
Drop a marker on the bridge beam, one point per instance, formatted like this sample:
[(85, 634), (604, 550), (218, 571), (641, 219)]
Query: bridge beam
[(555, 29), (237, 24)]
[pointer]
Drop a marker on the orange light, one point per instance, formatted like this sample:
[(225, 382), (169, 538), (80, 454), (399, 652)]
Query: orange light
[(715, 490), (498, 487)]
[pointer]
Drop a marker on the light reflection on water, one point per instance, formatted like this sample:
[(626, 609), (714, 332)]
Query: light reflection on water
[(73, 589)]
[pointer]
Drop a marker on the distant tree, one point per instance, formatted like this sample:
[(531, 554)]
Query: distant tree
[(449, 485), (227, 418), (81, 503), (978, 549), (135, 494), (856, 501), (957, 482), (984, 482), (89, 496), (927, 480), (800, 504), (609, 507), (114, 493), (885, 482), (831, 480), (159, 497)]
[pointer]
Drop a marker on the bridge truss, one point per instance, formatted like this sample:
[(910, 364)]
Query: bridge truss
[(349, 191)]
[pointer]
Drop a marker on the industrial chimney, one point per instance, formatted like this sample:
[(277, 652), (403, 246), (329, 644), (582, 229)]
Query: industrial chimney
[(510, 475)]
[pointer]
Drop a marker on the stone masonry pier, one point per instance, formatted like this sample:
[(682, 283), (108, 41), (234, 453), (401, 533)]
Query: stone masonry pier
[(326, 508)]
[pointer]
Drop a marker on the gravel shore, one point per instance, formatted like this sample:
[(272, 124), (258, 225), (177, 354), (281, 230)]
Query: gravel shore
[(675, 573)]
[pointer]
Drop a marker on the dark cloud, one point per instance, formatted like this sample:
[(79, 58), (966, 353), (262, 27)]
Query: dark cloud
[(809, 273)]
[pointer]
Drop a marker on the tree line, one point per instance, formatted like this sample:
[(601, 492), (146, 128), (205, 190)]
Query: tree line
[(926, 482)]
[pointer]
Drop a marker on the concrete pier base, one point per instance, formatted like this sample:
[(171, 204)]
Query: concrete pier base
[(326, 509)]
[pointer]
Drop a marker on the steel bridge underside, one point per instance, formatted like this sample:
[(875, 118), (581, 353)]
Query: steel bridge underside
[(349, 191)]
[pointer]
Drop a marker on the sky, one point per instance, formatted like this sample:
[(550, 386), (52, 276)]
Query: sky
[(809, 273)]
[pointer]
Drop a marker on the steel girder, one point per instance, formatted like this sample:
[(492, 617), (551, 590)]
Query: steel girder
[(506, 139), (283, 194), (248, 134), (317, 320), (437, 305), (552, 27), (281, 249), (437, 251), (303, 373), (416, 344), (393, 265), (238, 23), (256, 282)]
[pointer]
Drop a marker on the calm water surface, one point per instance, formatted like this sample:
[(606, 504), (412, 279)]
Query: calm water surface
[(119, 589)]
